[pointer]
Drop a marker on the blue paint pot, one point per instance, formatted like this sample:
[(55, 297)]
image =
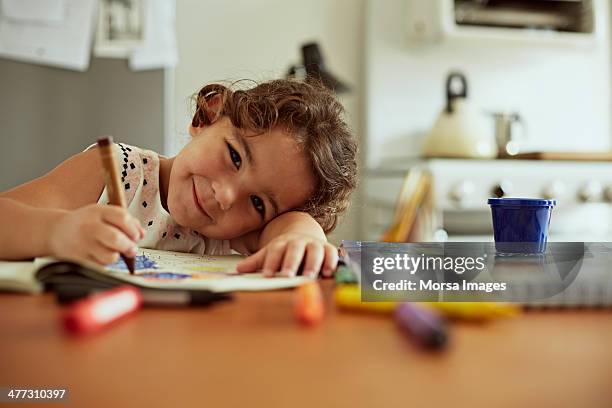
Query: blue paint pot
[(520, 225)]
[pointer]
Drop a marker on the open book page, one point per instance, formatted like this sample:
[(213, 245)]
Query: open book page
[(178, 270), (19, 277)]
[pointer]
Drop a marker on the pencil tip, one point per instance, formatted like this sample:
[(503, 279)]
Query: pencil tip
[(130, 264)]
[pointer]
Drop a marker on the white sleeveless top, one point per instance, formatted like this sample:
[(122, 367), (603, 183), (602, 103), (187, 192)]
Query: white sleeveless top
[(139, 171)]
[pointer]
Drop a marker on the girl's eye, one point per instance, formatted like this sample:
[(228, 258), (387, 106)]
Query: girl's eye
[(235, 156), (259, 205)]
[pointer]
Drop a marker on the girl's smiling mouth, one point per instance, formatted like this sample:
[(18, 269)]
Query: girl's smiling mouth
[(197, 201)]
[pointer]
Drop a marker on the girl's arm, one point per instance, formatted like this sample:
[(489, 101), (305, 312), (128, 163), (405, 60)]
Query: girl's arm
[(74, 183), (53, 215), (24, 229), (286, 242)]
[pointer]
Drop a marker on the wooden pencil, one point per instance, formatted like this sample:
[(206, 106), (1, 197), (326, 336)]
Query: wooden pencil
[(113, 185)]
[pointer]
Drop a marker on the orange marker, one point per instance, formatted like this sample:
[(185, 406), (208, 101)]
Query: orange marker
[(309, 304)]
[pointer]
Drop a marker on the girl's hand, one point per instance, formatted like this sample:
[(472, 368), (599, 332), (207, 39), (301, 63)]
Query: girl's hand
[(284, 254), (97, 233)]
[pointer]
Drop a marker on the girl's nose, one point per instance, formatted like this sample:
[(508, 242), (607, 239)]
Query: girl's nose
[(225, 194)]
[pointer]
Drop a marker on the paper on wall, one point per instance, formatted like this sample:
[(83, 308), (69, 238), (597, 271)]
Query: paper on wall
[(42, 11), (67, 45), (159, 49), (120, 28)]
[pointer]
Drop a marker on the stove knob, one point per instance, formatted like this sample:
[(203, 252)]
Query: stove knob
[(554, 190), (459, 193), (503, 189), (590, 192)]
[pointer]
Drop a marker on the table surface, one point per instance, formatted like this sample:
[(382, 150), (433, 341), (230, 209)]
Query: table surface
[(251, 352)]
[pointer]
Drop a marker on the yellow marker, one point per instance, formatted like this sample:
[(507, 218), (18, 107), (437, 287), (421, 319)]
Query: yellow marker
[(349, 297), (474, 310)]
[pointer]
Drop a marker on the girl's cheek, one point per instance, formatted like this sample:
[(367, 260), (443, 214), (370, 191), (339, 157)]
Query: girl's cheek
[(244, 222), (202, 169), (209, 165)]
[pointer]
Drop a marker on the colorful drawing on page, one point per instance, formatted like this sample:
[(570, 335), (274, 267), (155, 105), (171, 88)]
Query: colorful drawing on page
[(188, 262), (180, 270), (212, 269), (164, 275), (141, 262), (209, 275)]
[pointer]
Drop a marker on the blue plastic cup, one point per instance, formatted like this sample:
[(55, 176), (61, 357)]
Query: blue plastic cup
[(520, 225)]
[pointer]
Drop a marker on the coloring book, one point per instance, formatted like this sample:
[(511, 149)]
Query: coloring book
[(153, 269)]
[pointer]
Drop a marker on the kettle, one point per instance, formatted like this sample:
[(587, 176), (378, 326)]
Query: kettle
[(460, 131)]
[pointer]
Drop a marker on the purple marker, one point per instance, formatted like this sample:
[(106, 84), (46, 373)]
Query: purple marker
[(424, 325)]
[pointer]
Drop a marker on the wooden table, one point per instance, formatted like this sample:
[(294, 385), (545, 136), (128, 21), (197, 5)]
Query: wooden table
[(251, 353)]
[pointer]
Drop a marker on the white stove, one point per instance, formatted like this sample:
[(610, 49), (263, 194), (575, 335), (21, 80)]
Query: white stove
[(583, 191)]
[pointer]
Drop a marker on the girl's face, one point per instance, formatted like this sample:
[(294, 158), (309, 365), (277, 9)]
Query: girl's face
[(226, 183)]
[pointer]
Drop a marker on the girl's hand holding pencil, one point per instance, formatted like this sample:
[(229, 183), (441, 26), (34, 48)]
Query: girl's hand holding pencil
[(97, 233)]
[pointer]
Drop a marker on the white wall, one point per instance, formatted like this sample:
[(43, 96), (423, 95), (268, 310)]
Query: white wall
[(562, 92), (228, 40)]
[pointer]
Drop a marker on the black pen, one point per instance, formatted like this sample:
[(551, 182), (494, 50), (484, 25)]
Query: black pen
[(177, 297), (150, 297)]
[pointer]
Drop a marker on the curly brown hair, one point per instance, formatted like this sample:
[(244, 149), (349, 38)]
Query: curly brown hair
[(311, 114)]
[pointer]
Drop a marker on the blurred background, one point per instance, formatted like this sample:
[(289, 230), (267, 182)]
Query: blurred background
[(453, 101)]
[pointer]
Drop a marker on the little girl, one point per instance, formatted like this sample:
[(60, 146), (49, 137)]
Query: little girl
[(266, 173)]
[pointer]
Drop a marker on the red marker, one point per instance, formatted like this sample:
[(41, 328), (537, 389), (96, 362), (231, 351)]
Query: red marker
[(309, 304), (98, 311)]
